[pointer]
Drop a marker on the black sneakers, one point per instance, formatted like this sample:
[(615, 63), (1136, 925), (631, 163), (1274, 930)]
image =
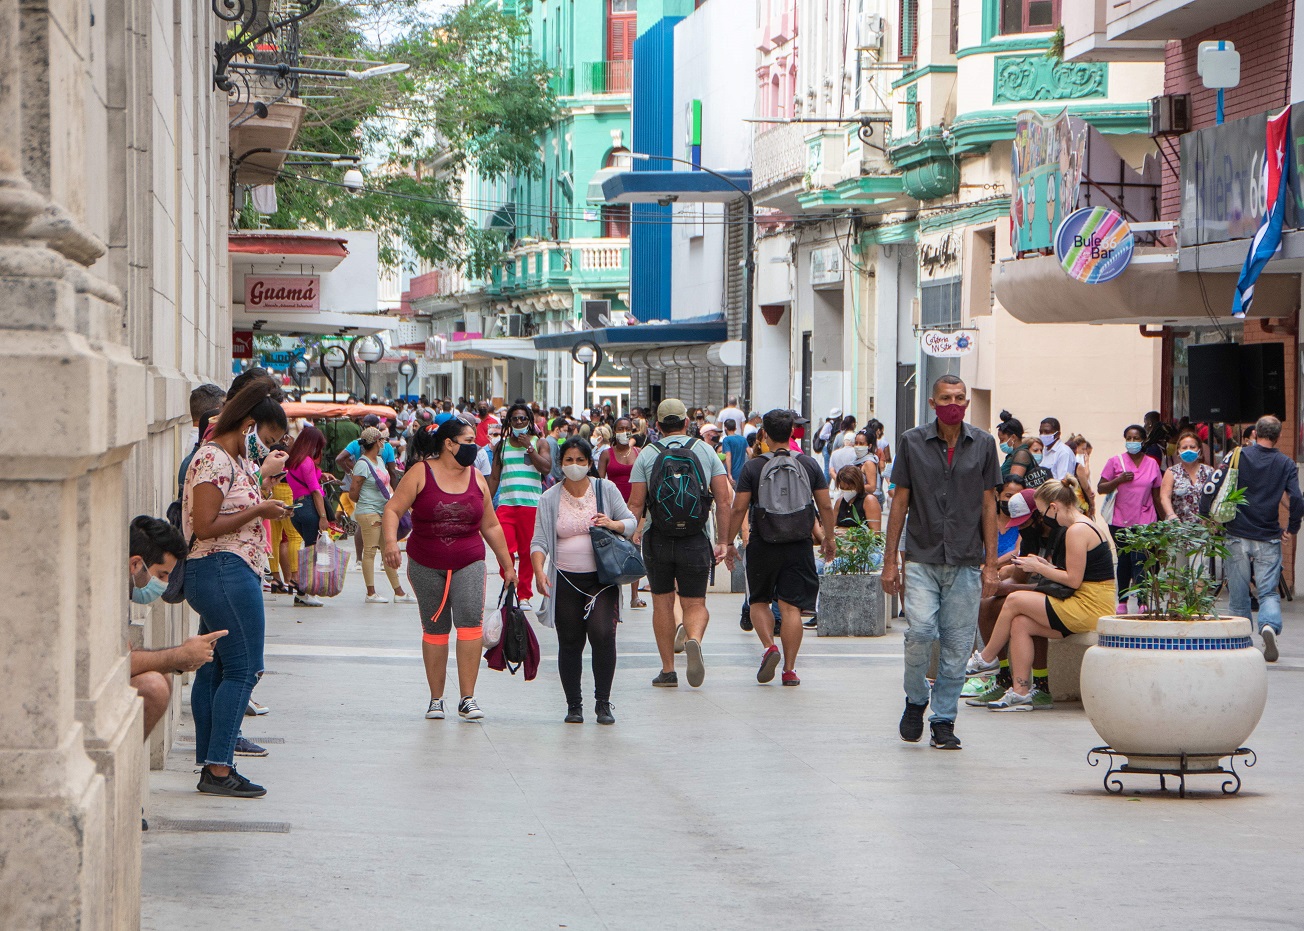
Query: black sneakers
[(944, 736), (246, 747), (603, 710), (667, 680), (574, 713), (912, 722), (232, 784)]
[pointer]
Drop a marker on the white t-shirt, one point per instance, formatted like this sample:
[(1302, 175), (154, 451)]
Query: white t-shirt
[(731, 413), (841, 456), (749, 430)]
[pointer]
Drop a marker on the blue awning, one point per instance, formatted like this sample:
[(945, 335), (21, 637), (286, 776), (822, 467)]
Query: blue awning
[(639, 336), (650, 187)]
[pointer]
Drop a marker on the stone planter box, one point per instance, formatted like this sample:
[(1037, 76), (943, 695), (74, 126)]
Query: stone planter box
[(852, 606), (1155, 690)]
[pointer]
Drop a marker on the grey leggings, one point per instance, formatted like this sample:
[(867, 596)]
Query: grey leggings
[(463, 608)]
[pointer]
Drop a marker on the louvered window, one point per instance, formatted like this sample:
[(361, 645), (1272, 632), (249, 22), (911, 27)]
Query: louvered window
[(908, 30)]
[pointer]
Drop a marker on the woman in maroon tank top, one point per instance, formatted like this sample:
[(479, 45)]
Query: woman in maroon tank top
[(451, 523), (615, 464)]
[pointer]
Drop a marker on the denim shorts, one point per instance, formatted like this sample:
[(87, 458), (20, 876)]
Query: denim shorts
[(681, 564)]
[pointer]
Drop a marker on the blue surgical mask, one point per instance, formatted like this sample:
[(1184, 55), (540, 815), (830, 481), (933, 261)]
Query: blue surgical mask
[(1006, 448), (520, 431), (1189, 455), (1132, 446), (1036, 457), (152, 591)]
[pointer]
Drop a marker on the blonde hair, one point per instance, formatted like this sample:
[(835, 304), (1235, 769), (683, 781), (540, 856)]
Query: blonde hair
[(1058, 491)]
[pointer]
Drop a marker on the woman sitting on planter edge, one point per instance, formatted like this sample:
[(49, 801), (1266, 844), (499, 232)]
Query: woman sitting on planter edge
[(1088, 570), (575, 602)]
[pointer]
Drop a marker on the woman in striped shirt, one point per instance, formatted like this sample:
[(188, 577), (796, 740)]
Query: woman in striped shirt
[(521, 460)]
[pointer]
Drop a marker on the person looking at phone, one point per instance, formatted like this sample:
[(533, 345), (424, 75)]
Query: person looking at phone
[(222, 510), (156, 547)]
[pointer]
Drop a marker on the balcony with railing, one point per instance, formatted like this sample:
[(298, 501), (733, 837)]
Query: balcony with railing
[(778, 163), (264, 111), (606, 77), (576, 263)]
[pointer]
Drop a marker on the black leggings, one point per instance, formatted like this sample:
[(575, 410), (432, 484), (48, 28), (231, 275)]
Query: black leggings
[(1129, 566), (574, 589)]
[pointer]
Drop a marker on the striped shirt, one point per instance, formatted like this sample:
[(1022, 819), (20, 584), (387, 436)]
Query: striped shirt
[(520, 483)]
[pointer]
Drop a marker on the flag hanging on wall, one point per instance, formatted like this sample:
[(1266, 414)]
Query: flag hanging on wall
[(1266, 242)]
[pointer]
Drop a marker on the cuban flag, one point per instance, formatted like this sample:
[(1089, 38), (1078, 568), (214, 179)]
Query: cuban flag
[(1267, 241)]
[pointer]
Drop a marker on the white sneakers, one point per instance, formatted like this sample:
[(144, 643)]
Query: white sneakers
[(307, 601), (405, 599), (1270, 652), (377, 599)]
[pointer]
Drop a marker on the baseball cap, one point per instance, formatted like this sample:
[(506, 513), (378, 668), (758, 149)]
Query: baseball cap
[(836, 412), (1022, 506), (710, 428), (671, 409), (371, 420), (369, 435), (798, 420)]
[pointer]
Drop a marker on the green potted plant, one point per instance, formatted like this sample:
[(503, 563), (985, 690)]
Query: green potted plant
[(1176, 686), (851, 590)]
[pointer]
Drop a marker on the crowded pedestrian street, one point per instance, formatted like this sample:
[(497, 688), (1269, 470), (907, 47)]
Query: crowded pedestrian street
[(733, 806)]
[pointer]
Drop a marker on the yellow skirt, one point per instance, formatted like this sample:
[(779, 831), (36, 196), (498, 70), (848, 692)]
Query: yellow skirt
[(1091, 602)]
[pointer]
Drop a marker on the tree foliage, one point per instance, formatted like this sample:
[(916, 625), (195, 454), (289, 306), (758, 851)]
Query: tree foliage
[(472, 100)]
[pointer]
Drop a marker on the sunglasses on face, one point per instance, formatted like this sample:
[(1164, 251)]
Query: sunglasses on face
[(519, 418)]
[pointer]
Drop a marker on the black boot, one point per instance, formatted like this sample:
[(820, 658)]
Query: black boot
[(574, 712), (603, 711)]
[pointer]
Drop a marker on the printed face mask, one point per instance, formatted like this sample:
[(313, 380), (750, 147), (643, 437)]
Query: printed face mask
[(575, 472), (622, 439)]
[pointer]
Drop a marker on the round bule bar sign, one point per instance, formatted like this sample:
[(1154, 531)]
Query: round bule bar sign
[(1094, 244)]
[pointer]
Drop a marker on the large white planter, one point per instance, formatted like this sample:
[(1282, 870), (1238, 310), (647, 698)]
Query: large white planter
[(1155, 690)]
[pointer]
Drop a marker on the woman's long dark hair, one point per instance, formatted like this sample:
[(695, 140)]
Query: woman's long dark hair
[(254, 399), (308, 445)]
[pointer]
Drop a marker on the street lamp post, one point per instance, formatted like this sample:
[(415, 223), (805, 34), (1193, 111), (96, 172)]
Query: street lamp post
[(333, 358), (588, 354), (369, 350), (749, 261), (408, 369), (300, 369)]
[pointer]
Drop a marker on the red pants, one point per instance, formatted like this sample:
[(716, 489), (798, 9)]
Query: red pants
[(518, 528)]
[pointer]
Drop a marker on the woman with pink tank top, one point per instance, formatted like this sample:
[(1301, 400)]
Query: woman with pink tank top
[(616, 464), (451, 523)]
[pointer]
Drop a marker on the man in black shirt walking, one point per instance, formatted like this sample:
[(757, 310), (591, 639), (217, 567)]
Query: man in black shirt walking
[(1254, 535)]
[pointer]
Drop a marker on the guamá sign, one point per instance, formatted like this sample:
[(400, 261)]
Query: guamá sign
[(1094, 244), (287, 292), (951, 345)]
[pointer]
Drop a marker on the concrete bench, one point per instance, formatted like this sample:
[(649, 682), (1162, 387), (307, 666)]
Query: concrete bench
[(1064, 665)]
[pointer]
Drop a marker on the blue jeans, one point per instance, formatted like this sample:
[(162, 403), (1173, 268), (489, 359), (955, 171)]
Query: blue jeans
[(1264, 556), (942, 605), (228, 595)]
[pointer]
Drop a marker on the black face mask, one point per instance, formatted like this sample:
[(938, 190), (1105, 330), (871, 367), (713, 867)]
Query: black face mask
[(1003, 507), (466, 453)]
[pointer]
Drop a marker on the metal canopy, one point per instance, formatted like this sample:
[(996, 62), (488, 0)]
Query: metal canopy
[(685, 187), (639, 336)]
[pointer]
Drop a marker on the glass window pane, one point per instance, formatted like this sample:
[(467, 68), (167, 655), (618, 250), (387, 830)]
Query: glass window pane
[(1011, 17), (1041, 14)]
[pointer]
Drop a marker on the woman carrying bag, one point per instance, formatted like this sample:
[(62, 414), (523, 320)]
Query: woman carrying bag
[(576, 602), (370, 489)]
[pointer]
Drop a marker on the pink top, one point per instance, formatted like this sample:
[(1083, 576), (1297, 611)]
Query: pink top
[(237, 479), (1133, 503), (618, 473), (574, 518), (446, 527), (304, 479)]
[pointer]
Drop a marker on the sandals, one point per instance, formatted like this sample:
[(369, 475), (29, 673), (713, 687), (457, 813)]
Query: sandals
[(638, 603)]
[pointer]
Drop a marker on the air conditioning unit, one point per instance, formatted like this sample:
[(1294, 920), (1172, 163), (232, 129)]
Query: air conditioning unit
[(595, 314), (871, 32), (512, 324), (1170, 115)]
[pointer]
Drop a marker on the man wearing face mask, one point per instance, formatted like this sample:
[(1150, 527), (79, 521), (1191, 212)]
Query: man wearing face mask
[(156, 547), (1056, 457), (946, 475)]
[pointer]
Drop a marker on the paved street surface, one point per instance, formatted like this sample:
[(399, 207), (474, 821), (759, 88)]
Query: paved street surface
[(731, 806)]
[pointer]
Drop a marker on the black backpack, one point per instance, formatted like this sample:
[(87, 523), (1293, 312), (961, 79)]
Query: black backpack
[(679, 494)]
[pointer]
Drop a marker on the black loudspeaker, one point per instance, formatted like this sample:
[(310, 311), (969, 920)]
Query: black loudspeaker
[(1231, 383), (1263, 381), (1213, 375)]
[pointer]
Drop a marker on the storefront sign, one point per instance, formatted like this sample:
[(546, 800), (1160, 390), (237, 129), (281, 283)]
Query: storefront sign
[(1046, 168), (242, 344), (300, 292), (826, 266), (950, 345), (1094, 245)]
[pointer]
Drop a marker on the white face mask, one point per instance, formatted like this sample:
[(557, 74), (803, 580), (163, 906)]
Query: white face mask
[(575, 472), (622, 439), (1047, 439), (1081, 459), (843, 494)]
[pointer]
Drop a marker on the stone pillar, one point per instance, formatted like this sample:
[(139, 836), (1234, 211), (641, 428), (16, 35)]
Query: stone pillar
[(70, 731)]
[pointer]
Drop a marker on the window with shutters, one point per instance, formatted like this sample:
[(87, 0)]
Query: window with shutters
[(1019, 16), (622, 29), (908, 30)]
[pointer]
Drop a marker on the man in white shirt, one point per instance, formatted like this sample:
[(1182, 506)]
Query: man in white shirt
[(1056, 456), (753, 424), (731, 411)]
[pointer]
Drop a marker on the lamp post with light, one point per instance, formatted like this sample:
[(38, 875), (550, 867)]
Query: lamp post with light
[(368, 350), (333, 358), (408, 369), (588, 354), (300, 369)]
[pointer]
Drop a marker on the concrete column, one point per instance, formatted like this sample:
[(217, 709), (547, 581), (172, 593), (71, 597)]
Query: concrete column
[(70, 732)]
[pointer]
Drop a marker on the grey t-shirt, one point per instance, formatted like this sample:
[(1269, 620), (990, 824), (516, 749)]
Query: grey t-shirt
[(706, 457)]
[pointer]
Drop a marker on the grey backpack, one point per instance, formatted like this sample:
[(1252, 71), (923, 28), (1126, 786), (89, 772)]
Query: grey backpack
[(784, 509)]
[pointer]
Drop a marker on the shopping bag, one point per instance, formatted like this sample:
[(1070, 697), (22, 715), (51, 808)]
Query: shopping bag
[(322, 568)]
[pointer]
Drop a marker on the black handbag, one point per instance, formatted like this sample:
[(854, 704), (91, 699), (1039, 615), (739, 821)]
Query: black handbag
[(1055, 589), (618, 560)]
